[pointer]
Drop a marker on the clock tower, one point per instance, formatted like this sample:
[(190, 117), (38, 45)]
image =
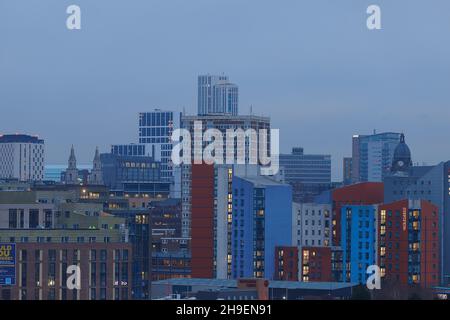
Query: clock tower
[(401, 161)]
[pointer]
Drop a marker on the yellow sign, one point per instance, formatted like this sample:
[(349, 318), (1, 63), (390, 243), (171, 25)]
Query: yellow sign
[(6, 253)]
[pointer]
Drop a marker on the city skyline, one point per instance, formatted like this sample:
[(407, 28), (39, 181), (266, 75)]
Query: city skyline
[(240, 151), (339, 80)]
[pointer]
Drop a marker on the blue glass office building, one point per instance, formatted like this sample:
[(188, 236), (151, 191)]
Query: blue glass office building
[(358, 237), (128, 149), (155, 131), (133, 175), (262, 211), (372, 156)]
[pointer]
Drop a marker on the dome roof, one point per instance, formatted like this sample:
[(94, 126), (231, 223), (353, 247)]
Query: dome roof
[(402, 150), (402, 156)]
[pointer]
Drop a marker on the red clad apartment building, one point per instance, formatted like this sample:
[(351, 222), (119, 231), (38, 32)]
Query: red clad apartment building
[(286, 263), (409, 242)]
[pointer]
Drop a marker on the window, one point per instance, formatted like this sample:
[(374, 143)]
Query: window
[(33, 218), (48, 216), (103, 255), (52, 255), (13, 218)]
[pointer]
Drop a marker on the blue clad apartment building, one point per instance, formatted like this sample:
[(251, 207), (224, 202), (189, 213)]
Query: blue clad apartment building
[(262, 211), (358, 237)]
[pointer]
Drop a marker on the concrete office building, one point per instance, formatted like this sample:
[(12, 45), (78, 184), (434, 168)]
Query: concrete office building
[(50, 234), (21, 157), (221, 123), (43, 256), (309, 174)]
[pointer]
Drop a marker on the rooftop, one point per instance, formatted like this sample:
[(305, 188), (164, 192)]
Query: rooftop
[(20, 138), (221, 283), (262, 181)]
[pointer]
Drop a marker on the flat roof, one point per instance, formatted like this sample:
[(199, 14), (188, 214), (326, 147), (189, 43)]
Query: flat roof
[(19, 138), (226, 117), (262, 180), (218, 283)]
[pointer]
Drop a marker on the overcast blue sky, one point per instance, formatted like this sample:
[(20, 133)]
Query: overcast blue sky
[(311, 65)]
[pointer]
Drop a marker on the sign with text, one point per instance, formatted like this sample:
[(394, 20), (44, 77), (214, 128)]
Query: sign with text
[(7, 264)]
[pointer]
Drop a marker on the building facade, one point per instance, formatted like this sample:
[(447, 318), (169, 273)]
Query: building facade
[(366, 193), (347, 164), (372, 156), (21, 157), (409, 252), (262, 220), (128, 149), (221, 123), (155, 133), (51, 232), (216, 95), (41, 268), (431, 183), (286, 263), (315, 264), (309, 174), (358, 241), (312, 224), (133, 175)]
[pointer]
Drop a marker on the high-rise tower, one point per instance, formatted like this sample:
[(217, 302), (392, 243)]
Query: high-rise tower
[(217, 95)]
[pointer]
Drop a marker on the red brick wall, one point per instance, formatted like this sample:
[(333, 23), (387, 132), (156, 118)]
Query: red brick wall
[(84, 263), (395, 224), (319, 263), (429, 242), (430, 250), (286, 261)]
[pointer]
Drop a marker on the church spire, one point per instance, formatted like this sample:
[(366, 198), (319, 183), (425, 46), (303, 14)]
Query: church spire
[(71, 176), (97, 155), (96, 175)]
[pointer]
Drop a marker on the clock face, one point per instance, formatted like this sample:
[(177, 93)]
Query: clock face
[(400, 163)]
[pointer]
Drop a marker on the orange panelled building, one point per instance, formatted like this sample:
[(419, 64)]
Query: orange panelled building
[(286, 263), (408, 237), (316, 264), (202, 221), (365, 193)]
